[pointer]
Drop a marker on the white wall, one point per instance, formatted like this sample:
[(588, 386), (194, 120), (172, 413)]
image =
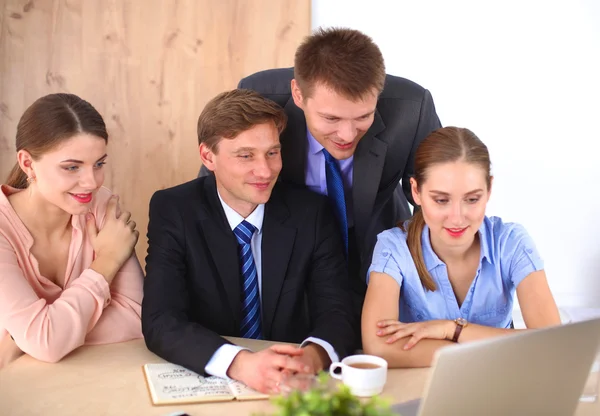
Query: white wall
[(525, 77)]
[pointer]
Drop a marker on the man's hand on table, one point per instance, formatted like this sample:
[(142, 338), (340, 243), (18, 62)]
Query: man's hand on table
[(265, 370), (315, 357)]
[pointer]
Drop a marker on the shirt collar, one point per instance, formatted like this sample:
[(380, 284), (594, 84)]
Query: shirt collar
[(432, 260), (484, 239), (429, 257), (314, 146), (234, 219)]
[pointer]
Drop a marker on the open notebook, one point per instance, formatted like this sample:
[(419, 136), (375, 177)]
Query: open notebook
[(172, 384)]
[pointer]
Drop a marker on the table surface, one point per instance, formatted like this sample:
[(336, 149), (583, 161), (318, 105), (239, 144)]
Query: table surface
[(108, 380)]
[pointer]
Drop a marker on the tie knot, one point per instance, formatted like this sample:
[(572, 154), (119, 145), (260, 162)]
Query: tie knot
[(328, 157), (244, 231)]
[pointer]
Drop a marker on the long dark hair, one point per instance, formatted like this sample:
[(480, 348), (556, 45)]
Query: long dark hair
[(448, 144), (49, 121)]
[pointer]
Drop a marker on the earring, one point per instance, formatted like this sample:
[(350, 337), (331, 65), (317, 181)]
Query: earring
[(30, 180)]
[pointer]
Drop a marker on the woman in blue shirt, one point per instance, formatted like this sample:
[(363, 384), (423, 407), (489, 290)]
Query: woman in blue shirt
[(450, 273)]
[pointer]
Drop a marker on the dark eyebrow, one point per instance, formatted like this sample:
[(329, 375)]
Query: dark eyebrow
[(243, 149), (439, 193), (474, 191), (334, 116), (252, 149), (81, 162), (447, 194), (328, 115)]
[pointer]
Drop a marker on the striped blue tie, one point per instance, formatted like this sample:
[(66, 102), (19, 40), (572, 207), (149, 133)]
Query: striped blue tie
[(251, 301), (335, 191)]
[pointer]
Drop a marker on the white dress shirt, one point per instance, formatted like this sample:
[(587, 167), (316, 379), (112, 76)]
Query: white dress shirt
[(222, 358)]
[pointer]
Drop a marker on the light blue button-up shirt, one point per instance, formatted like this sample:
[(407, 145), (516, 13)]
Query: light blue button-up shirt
[(508, 255), (316, 180)]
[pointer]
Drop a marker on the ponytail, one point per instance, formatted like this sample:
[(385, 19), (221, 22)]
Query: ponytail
[(413, 240), (17, 178)]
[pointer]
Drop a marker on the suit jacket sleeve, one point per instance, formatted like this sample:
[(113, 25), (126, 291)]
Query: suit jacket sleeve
[(168, 330), (329, 298), (428, 122)]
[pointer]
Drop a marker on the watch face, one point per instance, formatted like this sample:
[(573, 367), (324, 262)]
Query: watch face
[(461, 321)]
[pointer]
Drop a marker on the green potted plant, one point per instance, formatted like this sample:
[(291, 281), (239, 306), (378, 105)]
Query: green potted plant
[(323, 400)]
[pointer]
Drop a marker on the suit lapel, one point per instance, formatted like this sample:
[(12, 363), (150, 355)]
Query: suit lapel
[(276, 249), (294, 145), (368, 165), (223, 249)]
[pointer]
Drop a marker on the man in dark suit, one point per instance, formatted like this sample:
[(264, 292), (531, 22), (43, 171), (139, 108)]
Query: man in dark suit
[(341, 105), (237, 254)]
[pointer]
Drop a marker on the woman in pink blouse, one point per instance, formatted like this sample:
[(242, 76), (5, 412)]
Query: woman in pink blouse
[(68, 272)]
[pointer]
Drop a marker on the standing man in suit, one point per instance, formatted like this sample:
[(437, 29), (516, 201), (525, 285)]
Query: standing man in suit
[(352, 134), (236, 254)]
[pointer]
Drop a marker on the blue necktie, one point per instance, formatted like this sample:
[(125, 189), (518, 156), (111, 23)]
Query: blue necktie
[(251, 301), (335, 191)]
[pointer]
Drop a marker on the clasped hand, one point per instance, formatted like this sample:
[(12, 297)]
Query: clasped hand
[(395, 330), (266, 370)]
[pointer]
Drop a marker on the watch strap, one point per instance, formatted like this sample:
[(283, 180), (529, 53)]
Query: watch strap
[(457, 331)]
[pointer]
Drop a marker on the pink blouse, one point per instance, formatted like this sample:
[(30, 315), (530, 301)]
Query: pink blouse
[(47, 321)]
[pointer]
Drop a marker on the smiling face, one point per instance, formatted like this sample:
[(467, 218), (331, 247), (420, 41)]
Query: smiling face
[(453, 199), (336, 122), (69, 175), (245, 167)]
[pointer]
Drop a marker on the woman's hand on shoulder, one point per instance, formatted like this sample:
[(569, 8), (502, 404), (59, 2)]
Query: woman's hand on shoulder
[(115, 242), (395, 330)]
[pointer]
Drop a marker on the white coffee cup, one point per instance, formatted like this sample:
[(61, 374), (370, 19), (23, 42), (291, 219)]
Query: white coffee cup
[(364, 374)]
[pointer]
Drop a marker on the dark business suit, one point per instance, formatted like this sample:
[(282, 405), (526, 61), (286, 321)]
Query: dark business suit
[(405, 115), (192, 290)]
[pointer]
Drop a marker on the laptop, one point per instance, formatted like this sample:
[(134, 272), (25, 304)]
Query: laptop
[(537, 372)]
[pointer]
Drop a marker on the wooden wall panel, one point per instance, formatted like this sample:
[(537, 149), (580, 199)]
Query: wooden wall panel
[(148, 66)]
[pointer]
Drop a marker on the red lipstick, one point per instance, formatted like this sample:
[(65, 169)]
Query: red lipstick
[(82, 198), (456, 232)]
